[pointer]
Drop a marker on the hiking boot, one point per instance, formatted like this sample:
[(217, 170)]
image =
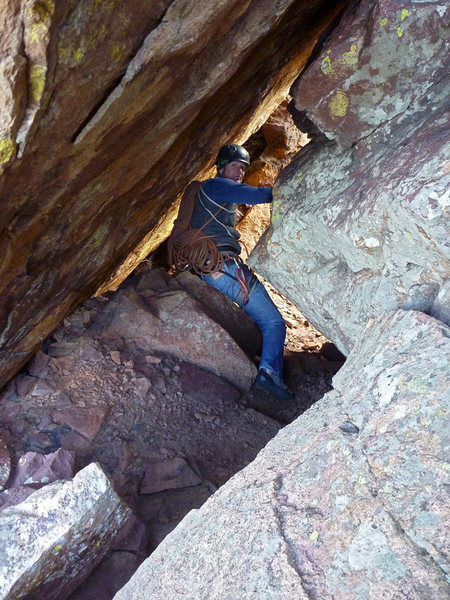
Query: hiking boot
[(272, 383)]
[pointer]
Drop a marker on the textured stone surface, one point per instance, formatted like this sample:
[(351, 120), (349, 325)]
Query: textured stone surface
[(168, 474), (217, 306), (382, 57), (346, 503), (361, 231), (109, 110), (53, 539), (151, 317), (5, 463), (34, 468)]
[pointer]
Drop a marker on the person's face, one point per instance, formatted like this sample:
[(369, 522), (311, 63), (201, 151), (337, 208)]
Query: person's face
[(234, 170)]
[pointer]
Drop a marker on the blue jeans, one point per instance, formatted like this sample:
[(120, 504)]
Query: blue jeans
[(260, 309)]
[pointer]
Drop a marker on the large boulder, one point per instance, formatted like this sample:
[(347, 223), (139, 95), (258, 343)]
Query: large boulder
[(346, 503), (359, 222), (157, 313), (50, 542)]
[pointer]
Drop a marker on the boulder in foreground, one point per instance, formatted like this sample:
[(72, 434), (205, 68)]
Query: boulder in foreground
[(50, 542)]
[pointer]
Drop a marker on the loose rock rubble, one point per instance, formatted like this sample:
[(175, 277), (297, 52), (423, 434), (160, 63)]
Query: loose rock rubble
[(167, 431)]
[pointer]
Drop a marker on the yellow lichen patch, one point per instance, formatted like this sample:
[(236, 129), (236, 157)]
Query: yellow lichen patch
[(62, 52), (78, 54), (37, 32), (325, 66), (275, 212), (314, 536), (57, 548), (399, 31), (37, 82), (405, 13), (339, 104), (350, 59), (38, 18), (7, 150), (383, 22), (44, 10), (118, 50), (99, 235)]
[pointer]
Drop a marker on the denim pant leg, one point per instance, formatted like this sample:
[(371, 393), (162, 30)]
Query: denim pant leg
[(261, 310)]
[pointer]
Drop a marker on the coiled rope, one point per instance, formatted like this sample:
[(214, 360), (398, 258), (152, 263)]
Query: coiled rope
[(192, 248)]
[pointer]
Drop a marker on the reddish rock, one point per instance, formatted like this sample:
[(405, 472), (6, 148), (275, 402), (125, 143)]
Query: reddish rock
[(34, 468), (111, 575), (362, 80), (146, 318), (16, 495), (168, 475), (37, 366), (217, 306), (86, 421), (132, 537)]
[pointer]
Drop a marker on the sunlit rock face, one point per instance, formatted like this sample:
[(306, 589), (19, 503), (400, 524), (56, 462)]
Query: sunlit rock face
[(107, 111), (360, 220)]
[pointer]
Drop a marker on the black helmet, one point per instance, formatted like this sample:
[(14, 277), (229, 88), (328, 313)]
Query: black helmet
[(231, 152)]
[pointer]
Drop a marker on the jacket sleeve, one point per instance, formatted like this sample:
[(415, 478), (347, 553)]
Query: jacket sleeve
[(226, 190)]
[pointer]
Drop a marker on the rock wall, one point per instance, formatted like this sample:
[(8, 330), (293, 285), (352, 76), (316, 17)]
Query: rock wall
[(106, 113), (360, 221), (346, 503)]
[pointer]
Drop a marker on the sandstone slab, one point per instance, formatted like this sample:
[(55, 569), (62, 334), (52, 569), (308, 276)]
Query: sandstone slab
[(346, 503), (215, 304), (52, 540), (167, 475)]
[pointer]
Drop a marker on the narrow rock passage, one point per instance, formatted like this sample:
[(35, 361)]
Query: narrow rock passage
[(165, 429)]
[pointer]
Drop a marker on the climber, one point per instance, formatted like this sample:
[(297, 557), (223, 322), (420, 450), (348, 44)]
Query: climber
[(205, 240)]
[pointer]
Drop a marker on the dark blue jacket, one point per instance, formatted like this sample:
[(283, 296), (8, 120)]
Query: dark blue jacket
[(216, 202)]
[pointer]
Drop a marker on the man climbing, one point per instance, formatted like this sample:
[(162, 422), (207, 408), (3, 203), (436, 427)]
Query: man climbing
[(205, 239)]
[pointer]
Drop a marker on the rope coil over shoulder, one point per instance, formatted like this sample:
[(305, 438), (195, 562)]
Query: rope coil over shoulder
[(192, 248)]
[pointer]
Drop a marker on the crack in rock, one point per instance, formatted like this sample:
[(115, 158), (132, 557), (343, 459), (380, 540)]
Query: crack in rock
[(308, 571)]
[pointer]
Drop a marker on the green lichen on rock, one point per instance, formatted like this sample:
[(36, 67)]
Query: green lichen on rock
[(7, 150), (339, 104), (350, 59), (37, 82)]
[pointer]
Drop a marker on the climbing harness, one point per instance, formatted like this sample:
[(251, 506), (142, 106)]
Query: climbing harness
[(246, 287)]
